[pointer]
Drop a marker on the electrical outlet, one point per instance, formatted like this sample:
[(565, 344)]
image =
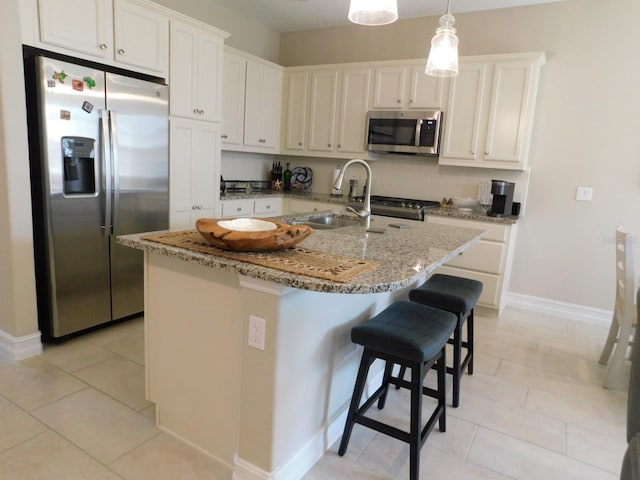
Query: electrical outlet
[(584, 194), (257, 332)]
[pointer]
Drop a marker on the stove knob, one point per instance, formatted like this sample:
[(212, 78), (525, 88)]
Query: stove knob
[(409, 205), (402, 204)]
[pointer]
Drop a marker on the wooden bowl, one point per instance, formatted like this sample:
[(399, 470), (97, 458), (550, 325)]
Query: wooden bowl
[(251, 234)]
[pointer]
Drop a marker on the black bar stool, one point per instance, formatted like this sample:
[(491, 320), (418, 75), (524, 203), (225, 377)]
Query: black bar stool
[(459, 296), (413, 336)]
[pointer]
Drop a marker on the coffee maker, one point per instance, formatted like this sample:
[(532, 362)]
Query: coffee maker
[(502, 198)]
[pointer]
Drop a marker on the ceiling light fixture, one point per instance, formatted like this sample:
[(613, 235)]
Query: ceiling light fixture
[(373, 12), (443, 57)]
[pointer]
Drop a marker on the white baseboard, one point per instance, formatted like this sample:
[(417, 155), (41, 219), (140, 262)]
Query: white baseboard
[(19, 348), (561, 309), (306, 457)]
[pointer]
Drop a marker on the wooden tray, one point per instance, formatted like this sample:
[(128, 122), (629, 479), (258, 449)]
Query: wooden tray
[(251, 234)]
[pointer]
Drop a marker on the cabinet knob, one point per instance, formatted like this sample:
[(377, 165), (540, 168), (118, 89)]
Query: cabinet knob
[(411, 100), (339, 146), (239, 209), (195, 110), (473, 152), (299, 144), (399, 101), (486, 153), (329, 145), (201, 112), (103, 46), (120, 51), (268, 207), (225, 136)]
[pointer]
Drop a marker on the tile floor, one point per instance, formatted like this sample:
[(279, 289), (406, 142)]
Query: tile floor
[(534, 409)]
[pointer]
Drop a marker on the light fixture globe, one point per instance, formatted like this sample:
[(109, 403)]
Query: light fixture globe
[(373, 12), (443, 56)]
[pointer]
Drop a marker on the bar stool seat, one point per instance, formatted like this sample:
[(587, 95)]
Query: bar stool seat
[(413, 336), (457, 295)]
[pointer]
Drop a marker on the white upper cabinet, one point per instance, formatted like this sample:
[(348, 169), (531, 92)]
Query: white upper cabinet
[(132, 34), (389, 87), (195, 72), (353, 110), (295, 121), (93, 35), (262, 106), (233, 86), (141, 37), (490, 112), (326, 110), (322, 110), (400, 87), (252, 103)]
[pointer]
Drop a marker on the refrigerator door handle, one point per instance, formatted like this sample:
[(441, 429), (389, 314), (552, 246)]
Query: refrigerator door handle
[(107, 171), (115, 170)]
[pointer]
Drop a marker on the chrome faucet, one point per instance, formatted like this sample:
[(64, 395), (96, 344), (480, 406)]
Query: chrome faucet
[(365, 213)]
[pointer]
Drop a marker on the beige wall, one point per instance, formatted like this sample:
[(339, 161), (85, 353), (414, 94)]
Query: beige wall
[(246, 34), (586, 129), (18, 315)]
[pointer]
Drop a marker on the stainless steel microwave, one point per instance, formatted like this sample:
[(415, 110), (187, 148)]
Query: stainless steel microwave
[(406, 131)]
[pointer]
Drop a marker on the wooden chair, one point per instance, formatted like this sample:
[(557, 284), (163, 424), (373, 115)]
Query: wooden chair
[(624, 312), (631, 461)]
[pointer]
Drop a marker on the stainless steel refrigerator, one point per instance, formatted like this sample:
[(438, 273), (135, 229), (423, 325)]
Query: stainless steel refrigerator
[(99, 170)]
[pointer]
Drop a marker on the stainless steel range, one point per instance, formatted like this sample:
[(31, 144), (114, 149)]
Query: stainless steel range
[(400, 207)]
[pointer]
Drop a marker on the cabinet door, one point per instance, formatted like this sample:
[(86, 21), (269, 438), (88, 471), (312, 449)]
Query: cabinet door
[(205, 169), (262, 106), (233, 99), (462, 121), (182, 77), (208, 84), (181, 141), (141, 37), (507, 112), (92, 29), (353, 110), (322, 110), (194, 171), (297, 88), (389, 87), (426, 91)]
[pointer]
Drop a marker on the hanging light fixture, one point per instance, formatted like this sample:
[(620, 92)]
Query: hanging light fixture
[(443, 56), (373, 12)]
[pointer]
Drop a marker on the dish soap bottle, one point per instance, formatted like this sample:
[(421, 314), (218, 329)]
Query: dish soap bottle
[(287, 178)]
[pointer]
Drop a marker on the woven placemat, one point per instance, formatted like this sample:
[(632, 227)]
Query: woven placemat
[(298, 260)]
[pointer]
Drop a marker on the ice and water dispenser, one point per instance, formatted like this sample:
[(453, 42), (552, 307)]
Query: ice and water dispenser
[(79, 172)]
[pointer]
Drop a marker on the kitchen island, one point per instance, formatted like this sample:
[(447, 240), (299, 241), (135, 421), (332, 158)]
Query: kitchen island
[(271, 412)]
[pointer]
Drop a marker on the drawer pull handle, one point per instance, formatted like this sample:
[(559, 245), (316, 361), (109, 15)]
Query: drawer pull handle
[(121, 51)]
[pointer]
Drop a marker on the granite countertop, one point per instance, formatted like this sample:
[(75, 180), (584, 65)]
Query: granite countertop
[(477, 214), (405, 255)]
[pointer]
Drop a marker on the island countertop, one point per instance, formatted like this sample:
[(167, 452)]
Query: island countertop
[(404, 255)]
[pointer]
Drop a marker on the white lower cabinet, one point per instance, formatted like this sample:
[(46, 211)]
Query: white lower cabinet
[(194, 172), (253, 207), (488, 261)]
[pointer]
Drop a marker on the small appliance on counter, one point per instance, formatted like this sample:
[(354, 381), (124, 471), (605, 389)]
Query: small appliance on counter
[(502, 203)]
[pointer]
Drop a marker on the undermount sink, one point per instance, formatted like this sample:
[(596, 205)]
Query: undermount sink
[(328, 221)]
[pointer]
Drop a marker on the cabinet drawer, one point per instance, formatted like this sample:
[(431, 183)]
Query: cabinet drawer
[(304, 206), (494, 231), (491, 284), (268, 206), (237, 208), (482, 256)]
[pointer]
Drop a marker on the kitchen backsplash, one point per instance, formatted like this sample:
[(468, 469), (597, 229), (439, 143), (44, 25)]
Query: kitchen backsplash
[(399, 175)]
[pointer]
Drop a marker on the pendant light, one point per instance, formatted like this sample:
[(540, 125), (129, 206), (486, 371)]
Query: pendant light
[(443, 57), (373, 12)]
